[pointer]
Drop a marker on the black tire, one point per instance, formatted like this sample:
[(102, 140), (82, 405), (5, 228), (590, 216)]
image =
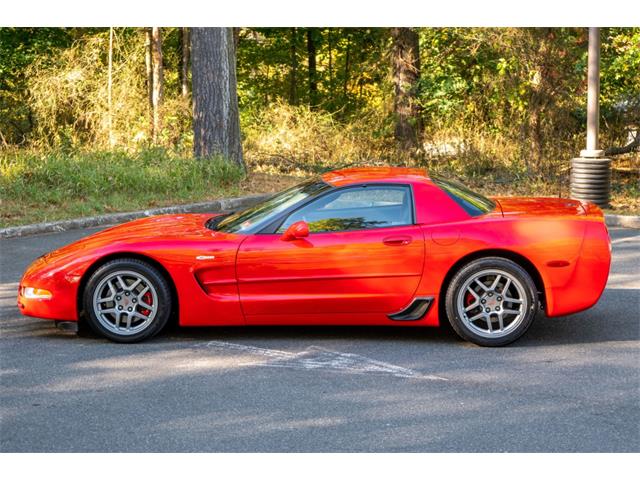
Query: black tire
[(157, 319), (471, 332)]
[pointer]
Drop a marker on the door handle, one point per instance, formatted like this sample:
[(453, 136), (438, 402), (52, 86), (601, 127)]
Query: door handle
[(397, 241)]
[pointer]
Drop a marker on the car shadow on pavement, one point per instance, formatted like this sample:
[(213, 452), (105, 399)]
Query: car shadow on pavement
[(614, 319)]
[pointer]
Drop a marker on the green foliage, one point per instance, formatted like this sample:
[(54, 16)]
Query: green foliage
[(620, 80), (49, 185), (525, 86), (69, 99), (491, 99), (19, 47), (351, 67)]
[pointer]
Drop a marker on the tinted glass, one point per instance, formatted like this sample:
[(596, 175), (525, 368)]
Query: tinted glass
[(473, 203), (359, 208), (254, 218)]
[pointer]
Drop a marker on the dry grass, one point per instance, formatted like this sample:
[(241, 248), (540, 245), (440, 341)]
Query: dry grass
[(282, 145), (284, 139)]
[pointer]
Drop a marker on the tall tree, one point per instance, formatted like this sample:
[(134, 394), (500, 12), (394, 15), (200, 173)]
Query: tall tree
[(405, 57), (330, 49), (347, 65), (311, 56), (216, 123), (149, 66), (293, 78), (158, 81), (184, 77), (110, 87)]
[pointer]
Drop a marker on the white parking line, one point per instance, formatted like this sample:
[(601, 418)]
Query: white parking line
[(317, 358)]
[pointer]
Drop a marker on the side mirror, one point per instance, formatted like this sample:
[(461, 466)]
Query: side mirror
[(295, 231)]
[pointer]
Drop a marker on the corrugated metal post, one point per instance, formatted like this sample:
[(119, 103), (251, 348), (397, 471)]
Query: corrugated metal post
[(590, 173)]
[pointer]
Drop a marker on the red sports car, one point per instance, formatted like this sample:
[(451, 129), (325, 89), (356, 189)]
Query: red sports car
[(363, 246)]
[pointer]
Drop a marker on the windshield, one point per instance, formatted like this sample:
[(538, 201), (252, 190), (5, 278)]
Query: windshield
[(473, 203), (259, 216)]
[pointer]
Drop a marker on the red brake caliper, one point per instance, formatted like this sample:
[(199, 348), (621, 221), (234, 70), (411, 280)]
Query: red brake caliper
[(469, 299), (147, 299)]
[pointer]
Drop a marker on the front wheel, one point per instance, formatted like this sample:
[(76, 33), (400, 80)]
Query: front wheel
[(491, 302), (127, 300)]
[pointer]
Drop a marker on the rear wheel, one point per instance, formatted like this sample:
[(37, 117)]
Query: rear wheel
[(491, 302), (127, 300)]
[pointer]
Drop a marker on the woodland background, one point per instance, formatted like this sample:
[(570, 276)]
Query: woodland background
[(96, 120)]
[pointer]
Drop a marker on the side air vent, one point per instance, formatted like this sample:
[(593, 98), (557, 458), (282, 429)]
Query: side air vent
[(417, 309)]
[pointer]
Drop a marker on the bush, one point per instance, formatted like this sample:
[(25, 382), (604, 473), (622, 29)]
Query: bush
[(59, 184)]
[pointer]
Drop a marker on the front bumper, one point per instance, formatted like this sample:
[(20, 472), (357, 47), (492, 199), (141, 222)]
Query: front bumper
[(53, 308), (61, 305)]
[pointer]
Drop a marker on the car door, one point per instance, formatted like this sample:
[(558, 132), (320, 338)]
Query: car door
[(364, 255)]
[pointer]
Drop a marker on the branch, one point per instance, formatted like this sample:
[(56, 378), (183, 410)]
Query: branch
[(634, 145)]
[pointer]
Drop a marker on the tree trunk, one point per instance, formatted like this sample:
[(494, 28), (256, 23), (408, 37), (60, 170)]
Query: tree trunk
[(405, 57), (149, 64), (311, 55), (158, 81), (184, 79), (236, 38), (216, 123), (540, 98), (330, 46), (110, 88), (347, 65), (293, 79)]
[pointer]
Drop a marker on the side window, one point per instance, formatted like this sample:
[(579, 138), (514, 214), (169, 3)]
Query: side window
[(356, 208)]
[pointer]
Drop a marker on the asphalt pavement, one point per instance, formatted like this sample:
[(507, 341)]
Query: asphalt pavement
[(571, 384)]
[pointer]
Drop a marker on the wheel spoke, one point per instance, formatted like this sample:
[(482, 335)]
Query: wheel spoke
[(143, 291), (484, 287), (489, 323), (128, 321), (123, 284), (472, 306), (110, 297), (511, 311), (134, 284), (501, 321), (505, 289), (118, 314), (512, 300), (475, 317), (135, 313), (108, 310), (495, 282), (145, 305), (472, 292)]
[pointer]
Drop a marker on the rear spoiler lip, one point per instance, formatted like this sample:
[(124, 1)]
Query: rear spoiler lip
[(583, 209), (591, 209)]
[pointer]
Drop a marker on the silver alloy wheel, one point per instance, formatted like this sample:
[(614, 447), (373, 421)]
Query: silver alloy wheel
[(125, 302), (492, 303)]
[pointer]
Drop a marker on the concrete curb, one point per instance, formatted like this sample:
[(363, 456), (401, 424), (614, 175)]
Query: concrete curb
[(214, 206), (628, 221)]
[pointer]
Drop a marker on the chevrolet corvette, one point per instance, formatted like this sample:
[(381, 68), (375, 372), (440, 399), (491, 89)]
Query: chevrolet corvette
[(359, 246)]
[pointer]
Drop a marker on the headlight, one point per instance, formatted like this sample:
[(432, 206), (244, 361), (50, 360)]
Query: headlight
[(30, 292)]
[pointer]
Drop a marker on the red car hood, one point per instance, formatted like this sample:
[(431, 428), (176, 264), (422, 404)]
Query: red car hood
[(175, 225), (187, 226)]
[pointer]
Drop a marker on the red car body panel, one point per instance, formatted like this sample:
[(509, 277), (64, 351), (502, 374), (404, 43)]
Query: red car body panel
[(278, 279), (341, 278)]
